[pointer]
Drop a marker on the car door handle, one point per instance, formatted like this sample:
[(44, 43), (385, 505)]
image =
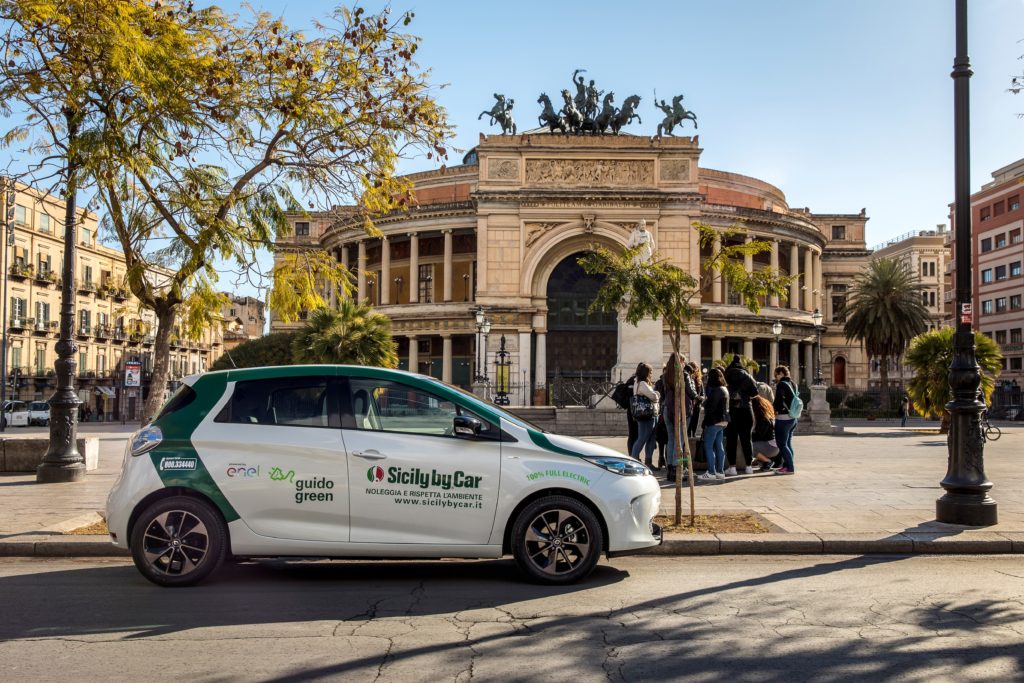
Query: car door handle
[(371, 454)]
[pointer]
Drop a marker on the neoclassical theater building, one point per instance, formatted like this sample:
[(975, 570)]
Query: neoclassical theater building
[(504, 229)]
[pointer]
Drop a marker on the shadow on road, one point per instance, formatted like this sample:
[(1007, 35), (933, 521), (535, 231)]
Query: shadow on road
[(689, 632)]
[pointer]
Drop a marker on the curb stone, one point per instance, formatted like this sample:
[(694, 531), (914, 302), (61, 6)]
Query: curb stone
[(913, 543)]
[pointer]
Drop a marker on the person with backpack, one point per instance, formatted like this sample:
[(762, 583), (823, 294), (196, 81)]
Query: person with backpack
[(742, 388), (645, 407), (788, 407), (623, 396)]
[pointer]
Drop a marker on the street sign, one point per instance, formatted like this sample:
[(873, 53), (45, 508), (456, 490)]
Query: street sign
[(966, 314), (133, 373)]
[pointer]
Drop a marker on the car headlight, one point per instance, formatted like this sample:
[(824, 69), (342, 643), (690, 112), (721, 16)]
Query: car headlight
[(146, 440), (627, 467)]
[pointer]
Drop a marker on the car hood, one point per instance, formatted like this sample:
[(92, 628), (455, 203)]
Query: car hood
[(578, 447)]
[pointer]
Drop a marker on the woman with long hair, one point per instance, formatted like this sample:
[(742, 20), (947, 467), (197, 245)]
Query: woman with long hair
[(785, 424), (646, 416), (716, 418), (698, 385), (763, 436)]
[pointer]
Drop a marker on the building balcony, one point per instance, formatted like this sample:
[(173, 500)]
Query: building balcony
[(118, 293), (84, 331), (102, 332), (19, 323), (118, 335), (21, 271), (41, 326), (45, 277), (148, 340)]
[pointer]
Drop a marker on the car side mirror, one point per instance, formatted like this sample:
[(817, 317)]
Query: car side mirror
[(466, 425)]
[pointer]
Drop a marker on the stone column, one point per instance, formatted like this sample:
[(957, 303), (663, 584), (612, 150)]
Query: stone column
[(361, 272), (717, 294), (385, 271), (414, 268), (716, 348), (344, 259), (794, 269), (525, 364), (808, 280), (794, 361), (809, 362), (819, 298), (773, 358), (774, 300), (748, 348), (414, 354), (447, 266), (694, 348), (540, 367), (332, 295), (446, 358), (748, 263)]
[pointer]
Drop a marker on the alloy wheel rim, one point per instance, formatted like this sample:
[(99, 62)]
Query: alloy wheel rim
[(175, 543), (557, 542)]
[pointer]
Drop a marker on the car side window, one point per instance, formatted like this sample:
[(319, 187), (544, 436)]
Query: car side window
[(387, 406), (283, 401)]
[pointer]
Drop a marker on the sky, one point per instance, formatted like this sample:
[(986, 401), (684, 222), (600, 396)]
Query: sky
[(842, 105)]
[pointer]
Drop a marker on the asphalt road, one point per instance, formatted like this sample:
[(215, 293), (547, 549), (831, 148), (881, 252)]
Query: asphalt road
[(742, 618)]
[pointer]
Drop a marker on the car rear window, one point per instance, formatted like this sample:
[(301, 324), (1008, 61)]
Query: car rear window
[(40, 405)]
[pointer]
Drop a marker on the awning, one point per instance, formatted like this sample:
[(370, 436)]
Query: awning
[(107, 391)]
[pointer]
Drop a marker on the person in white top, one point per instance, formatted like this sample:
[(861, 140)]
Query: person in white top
[(645, 410)]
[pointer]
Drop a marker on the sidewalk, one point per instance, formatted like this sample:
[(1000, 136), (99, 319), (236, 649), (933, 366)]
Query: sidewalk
[(870, 490)]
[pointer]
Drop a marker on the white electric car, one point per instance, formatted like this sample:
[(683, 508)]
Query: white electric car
[(344, 461)]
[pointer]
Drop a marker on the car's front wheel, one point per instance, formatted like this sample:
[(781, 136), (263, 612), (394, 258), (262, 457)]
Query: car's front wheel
[(178, 541), (556, 540)]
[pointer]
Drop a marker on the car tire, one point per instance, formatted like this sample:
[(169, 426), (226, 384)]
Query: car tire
[(168, 557), (556, 540)]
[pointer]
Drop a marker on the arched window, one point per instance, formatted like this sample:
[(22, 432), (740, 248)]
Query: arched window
[(839, 371)]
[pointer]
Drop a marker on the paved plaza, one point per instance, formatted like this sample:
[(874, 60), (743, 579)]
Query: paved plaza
[(876, 480)]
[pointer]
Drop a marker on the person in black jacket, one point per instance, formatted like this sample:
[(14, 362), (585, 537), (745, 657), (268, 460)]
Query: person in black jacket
[(716, 417), (785, 424), (742, 388), (630, 420)]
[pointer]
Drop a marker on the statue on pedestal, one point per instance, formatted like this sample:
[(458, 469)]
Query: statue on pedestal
[(642, 238)]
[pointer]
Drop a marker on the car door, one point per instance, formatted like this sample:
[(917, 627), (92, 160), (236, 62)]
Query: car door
[(411, 479), (18, 414), (275, 451)]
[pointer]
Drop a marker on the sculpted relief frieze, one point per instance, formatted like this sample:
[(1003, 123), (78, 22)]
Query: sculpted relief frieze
[(503, 169), (590, 172), (534, 231), (675, 170)]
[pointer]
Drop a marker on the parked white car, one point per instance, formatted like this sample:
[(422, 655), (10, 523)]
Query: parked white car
[(39, 413), (343, 461), (15, 414)]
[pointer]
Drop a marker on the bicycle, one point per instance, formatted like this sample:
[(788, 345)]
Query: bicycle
[(989, 430)]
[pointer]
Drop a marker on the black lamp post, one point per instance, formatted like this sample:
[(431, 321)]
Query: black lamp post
[(483, 328), (816, 317), (503, 374), (966, 500), (777, 333)]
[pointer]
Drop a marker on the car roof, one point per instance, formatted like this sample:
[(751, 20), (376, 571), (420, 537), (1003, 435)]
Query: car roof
[(275, 371)]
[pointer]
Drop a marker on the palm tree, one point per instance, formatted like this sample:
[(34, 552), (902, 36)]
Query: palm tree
[(930, 355), (884, 312), (352, 334)]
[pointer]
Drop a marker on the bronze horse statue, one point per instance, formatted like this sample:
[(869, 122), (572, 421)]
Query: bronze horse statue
[(548, 117), (608, 111), (572, 116), (626, 114)]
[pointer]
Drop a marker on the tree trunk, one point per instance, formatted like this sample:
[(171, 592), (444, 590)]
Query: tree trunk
[(161, 360), (883, 370)]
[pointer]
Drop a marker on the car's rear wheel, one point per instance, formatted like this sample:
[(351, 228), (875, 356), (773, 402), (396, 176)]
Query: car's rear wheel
[(557, 540), (178, 541)]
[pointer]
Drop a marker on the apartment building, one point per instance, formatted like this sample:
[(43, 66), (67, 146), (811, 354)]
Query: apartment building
[(244, 319), (111, 328), (997, 259)]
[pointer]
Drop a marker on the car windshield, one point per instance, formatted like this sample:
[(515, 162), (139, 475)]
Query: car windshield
[(475, 400)]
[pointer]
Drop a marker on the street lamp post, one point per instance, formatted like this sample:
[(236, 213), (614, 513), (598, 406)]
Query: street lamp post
[(777, 333), (817, 317), (483, 328), (10, 197), (502, 374), (966, 500)]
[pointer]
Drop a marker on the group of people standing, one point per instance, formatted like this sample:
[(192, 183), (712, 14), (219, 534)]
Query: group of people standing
[(742, 418)]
